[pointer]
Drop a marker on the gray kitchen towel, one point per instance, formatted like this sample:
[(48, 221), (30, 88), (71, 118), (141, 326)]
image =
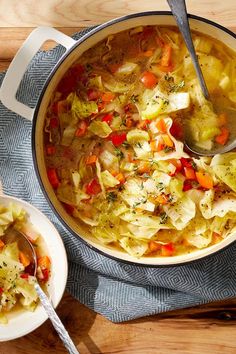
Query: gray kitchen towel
[(119, 291)]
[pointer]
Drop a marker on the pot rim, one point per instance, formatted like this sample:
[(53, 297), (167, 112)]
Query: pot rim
[(33, 139)]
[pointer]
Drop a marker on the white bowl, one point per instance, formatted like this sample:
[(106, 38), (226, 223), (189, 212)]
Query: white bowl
[(22, 322)]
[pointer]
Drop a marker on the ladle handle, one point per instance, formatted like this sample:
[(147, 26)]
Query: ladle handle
[(179, 11), (56, 322)]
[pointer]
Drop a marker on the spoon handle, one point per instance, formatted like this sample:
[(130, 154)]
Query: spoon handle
[(179, 11), (56, 322)]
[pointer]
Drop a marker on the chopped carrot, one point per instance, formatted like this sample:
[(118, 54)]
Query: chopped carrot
[(162, 199), (108, 96), (189, 173), (144, 167), (147, 53), (161, 125), (44, 262), (167, 140), (143, 124), (166, 55), (160, 145), (129, 122), (223, 137), (153, 145), (154, 246), (165, 69), (216, 238), (91, 160), (148, 79), (222, 119), (130, 157), (24, 259), (120, 177), (167, 250), (2, 244), (204, 179)]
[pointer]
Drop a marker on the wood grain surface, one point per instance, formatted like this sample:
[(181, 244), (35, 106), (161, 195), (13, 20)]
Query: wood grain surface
[(208, 329)]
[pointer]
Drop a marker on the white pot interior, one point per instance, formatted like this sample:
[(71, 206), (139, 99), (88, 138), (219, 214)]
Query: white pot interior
[(111, 28)]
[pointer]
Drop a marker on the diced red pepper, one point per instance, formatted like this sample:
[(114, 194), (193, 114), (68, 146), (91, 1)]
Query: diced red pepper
[(166, 55), (107, 118), (45, 274), (186, 162), (54, 122), (167, 250), (24, 276), (93, 187), (1, 290), (176, 130), (187, 185), (118, 139), (53, 177)]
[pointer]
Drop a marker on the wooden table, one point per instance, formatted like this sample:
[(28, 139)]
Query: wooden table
[(205, 329)]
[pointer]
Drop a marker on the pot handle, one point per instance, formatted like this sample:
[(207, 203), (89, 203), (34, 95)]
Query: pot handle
[(19, 65)]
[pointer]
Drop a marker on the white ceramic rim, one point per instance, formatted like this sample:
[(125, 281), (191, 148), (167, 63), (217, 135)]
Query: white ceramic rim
[(57, 282)]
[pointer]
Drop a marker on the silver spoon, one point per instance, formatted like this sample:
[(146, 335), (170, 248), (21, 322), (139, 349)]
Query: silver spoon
[(12, 235), (179, 11)]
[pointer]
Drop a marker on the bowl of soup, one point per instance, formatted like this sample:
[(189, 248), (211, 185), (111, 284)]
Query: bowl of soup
[(20, 308), (108, 140)]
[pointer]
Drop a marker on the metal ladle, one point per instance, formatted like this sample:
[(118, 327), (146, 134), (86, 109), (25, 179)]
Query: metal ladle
[(179, 11), (12, 235)]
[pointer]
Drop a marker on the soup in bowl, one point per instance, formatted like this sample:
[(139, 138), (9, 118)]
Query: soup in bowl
[(20, 309)]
